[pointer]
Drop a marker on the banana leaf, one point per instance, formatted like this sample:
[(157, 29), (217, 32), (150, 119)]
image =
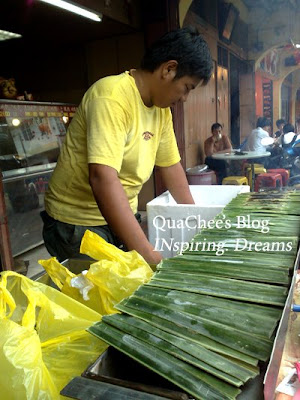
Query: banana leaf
[(231, 366), (164, 345), (278, 203), (265, 313), (248, 260), (187, 334), (244, 321), (222, 287), (228, 271), (194, 381), (243, 342), (206, 243), (277, 225)]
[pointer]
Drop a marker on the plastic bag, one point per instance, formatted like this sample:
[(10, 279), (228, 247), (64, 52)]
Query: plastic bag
[(43, 341), (62, 278), (115, 276)]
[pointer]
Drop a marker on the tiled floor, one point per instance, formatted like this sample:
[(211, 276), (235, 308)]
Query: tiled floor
[(41, 253), (32, 257)]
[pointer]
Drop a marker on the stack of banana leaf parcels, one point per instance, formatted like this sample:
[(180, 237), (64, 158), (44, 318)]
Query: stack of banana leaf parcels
[(205, 320)]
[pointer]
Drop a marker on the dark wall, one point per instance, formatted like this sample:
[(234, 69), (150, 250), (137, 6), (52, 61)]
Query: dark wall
[(49, 72), (60, 73)]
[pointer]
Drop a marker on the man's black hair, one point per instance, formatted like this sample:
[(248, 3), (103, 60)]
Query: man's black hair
[(185, 46), (215, 126), (262, 122), (279, 122), (288, 128)]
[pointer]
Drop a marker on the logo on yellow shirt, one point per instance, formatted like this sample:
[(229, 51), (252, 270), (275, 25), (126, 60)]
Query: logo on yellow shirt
[(147, 135)]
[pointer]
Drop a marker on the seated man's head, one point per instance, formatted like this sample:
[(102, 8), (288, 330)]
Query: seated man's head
[(280, 124), (178, 62), (216, 130), (264, 123), (288, 128)]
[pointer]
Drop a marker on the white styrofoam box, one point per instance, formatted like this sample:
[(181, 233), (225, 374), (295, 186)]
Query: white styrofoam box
[(171, 225)]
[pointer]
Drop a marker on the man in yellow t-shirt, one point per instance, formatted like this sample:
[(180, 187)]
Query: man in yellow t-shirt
[(121, 130)]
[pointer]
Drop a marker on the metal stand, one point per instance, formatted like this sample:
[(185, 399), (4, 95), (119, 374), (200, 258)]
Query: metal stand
[(252, 176), (5, 247)]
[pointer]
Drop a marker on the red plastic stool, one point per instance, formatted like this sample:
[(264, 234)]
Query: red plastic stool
[(283, 172), (268, 179)]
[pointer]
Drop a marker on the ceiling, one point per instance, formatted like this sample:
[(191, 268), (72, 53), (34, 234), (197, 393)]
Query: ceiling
[(42, 23)]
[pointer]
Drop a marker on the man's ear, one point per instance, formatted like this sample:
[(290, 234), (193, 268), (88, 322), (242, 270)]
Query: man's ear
[(169, 69)]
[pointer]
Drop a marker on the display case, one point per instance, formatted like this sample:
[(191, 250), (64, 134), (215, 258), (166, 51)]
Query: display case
[(31, 135)]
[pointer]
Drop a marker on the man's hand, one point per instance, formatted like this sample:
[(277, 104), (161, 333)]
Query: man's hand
[(153, 257), (175, 180), (114, 206)]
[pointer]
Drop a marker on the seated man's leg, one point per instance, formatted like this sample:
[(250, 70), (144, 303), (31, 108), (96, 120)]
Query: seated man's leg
[(275, 159), (235, 168), (263, 160), (219, 166)]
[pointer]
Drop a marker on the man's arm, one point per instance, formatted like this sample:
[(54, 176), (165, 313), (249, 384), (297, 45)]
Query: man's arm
[(227, 143), (175, 180), (114, 206), (262, 134), (209, 147)]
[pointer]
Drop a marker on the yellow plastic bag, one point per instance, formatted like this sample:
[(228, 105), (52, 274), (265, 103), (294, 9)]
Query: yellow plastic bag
[(115, 276), (43, 340), (62, 277)]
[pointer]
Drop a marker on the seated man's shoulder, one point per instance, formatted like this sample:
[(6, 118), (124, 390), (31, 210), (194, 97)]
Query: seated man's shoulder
[(208, 140), (262, 133)]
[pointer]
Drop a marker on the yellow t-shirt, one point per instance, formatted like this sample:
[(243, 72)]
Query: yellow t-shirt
[(112, 126)]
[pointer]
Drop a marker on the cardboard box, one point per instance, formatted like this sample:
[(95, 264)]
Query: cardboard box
[(170, 223)]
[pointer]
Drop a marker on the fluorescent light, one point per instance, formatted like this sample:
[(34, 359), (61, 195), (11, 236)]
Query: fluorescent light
[(297, 46), (84, 12), (16, 122), (5, 35)]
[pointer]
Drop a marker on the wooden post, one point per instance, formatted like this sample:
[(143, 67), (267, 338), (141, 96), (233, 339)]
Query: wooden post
[(5, 247), (163, 16)]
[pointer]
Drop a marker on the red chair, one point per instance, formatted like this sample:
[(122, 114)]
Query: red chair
[(267, 180), (283, 172)]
